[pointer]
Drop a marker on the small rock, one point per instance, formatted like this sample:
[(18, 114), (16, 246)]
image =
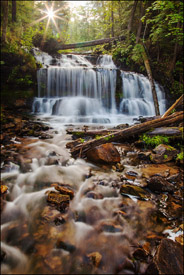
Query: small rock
[(168, 259), (65, 191), (61, 201), (109, 226), (104, 153), (140, 254), (4, 188), (131, 175), (66, 246), (159, 184), (95, 257), (134, 191)]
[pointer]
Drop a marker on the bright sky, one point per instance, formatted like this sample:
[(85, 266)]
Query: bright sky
[(76, 4)]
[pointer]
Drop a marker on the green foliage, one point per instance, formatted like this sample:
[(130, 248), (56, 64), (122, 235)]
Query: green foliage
[(155, 140), (98, 137), (180, 156), (82, 140), (109, 137)]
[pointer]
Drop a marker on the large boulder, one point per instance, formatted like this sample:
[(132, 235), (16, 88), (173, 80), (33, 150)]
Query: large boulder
[(168, 259), (163, 153), (104, 153)]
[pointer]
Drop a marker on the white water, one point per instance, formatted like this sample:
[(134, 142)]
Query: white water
[(78, 92)]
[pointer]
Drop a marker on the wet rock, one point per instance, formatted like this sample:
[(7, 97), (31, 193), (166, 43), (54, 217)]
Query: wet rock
[(134, 191), (109, 226), (104, 153), (144, 155), (166, 131), (66, 246), (94, 195), (168, 259), (164, 153), (95, 258), (65, 191), (4, 189), (140, 254), (162, 170), (50, 214), (131, 175), (61, 201), (159, 184)]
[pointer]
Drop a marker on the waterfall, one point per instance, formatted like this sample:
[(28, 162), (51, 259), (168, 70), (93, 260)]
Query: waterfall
[(79, 92)]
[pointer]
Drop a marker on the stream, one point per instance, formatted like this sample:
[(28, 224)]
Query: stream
[(70, 216)]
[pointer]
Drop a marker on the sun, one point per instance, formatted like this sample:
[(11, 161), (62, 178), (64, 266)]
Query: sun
[(51, 14)]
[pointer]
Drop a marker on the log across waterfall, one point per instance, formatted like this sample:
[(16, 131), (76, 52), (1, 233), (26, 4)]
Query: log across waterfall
[(78, 91)]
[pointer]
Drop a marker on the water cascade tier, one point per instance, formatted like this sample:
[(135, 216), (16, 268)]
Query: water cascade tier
[(80, 92)]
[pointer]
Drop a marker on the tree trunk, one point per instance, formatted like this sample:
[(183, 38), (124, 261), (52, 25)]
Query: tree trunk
[(89, 43), (149, 72), (112, 20), (5, 19), (132, 16), (178, 102), (14, 10), (142, 11), (175, 52), (124, 134)]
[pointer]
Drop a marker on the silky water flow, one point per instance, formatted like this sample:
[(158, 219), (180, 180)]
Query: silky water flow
[(91, 236)]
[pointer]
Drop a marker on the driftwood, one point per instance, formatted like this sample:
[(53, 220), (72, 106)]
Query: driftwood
[(91, 133), (81, 149), (90, 43), (178, 102)]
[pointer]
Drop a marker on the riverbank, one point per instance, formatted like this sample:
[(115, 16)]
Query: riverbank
[(126, 210)]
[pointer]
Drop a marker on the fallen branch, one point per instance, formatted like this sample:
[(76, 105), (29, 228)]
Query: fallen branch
[(126, 133), (178, 102)]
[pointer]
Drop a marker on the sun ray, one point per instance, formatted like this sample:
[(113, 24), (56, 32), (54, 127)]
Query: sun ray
[(38, 20), (55, 24), (59, 17), (51, 15)]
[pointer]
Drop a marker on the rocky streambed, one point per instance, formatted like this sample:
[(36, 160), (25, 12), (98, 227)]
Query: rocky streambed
[(117, 212)]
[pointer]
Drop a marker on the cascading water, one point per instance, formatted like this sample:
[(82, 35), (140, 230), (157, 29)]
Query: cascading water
[(79, 92)]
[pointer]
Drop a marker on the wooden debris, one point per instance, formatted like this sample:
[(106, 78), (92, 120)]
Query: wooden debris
[(126, 133)]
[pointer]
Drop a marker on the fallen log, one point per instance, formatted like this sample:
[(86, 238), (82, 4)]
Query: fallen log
[(178, 102), (90, 43), (81, 149), (91, 133)]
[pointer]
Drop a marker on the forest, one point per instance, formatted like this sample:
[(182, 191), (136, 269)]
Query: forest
[(91, 137)]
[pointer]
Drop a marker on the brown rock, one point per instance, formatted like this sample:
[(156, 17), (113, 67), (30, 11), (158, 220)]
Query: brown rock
[(104, 153), (163, 170), (164, 153), (4, 188), (159, 184), (95, 258), (168, 259), (61, 201), (134, 191), (65, 191)]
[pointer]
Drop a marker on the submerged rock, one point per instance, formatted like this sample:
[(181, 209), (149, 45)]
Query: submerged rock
[(104, 153), (168, 259)]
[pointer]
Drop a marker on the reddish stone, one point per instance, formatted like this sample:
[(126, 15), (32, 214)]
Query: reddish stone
[(104, 153)]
